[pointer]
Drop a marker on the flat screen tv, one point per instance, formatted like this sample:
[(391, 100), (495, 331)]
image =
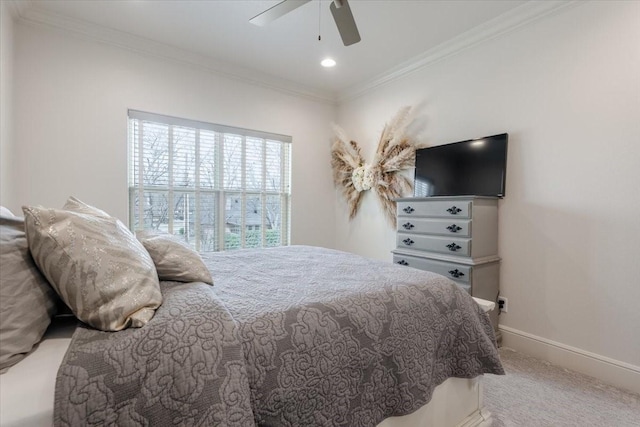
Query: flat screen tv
[(476, 167)]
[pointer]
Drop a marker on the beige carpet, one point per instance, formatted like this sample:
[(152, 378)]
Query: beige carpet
[(537, 394)]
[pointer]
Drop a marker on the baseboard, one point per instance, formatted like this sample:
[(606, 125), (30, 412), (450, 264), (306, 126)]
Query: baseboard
[(610, 371)]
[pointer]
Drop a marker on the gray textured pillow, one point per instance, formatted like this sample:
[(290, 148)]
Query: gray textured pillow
[(174, 260), (27, 302), (96, 265)]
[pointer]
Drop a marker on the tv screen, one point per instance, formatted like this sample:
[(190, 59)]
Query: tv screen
[(476, 167)]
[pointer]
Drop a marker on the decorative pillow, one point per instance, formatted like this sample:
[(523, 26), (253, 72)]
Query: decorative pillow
[(174, 260), (76, 205), (27, 301), (96, 265)]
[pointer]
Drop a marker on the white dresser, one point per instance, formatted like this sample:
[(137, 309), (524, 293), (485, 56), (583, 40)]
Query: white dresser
[(456, 237)]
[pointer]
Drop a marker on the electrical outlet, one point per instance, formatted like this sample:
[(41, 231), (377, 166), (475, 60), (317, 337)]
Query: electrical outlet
[(503, 304)]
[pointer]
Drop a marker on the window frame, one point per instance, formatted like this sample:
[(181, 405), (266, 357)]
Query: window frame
[(137, 187)]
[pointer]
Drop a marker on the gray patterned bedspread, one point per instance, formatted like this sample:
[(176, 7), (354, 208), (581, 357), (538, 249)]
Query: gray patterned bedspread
[(292, 336)]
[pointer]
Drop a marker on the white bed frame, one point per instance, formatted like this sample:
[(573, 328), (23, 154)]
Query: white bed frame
[(456, 402), (27, 390)]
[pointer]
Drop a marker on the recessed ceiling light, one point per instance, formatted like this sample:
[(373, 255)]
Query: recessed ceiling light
[(328, 62)]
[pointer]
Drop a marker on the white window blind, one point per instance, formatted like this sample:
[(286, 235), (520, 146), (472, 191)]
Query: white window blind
[(217, 187)]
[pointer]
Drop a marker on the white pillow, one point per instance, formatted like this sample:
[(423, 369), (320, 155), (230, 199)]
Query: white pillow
[(96, 265), (6, 212)]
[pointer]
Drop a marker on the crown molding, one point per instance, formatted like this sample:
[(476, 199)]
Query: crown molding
[(42, 18), (503, 24), (27, 12)]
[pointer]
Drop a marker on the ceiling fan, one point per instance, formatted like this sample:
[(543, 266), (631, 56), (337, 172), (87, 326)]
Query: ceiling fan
[(339, 9)]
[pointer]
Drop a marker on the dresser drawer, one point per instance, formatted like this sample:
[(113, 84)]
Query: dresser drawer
[(436, 208), (457, 272), (457, 228), (445, 245)]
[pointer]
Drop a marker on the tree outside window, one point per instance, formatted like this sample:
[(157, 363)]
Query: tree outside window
[(216, 187)]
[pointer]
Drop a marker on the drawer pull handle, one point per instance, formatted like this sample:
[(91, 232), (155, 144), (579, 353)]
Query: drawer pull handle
[(456, 273), (408, 209), (403, 262), (408, 241), (454, 210), (453, 247), (407, 226), (454, 228)]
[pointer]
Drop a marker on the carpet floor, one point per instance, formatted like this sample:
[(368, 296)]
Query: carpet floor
[(536, 393)]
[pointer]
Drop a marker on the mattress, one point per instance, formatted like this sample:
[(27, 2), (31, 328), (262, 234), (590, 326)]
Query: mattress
[(27, 388)]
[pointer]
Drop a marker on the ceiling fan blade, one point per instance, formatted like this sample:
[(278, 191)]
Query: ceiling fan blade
[(277, 11), (344, 21)]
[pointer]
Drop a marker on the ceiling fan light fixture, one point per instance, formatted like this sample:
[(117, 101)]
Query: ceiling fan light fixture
[(328, 63), (340, 10)]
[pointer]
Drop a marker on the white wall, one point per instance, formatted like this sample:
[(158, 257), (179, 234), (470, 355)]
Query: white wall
[(71, 101), (6, 101), (567, 90)]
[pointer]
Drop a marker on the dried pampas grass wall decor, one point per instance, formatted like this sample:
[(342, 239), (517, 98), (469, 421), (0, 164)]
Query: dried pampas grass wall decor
[(395, 153)]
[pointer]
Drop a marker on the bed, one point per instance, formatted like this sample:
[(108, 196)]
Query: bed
[(290, 336)]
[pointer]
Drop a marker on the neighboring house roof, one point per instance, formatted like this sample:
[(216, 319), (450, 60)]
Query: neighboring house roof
[(234, 214)]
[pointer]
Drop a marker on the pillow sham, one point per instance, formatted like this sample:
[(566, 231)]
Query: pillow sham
[(27, 301), (174, 260), (96, 266), (75, 205)]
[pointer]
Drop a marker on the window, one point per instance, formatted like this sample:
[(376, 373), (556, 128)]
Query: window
[(215, 186)]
